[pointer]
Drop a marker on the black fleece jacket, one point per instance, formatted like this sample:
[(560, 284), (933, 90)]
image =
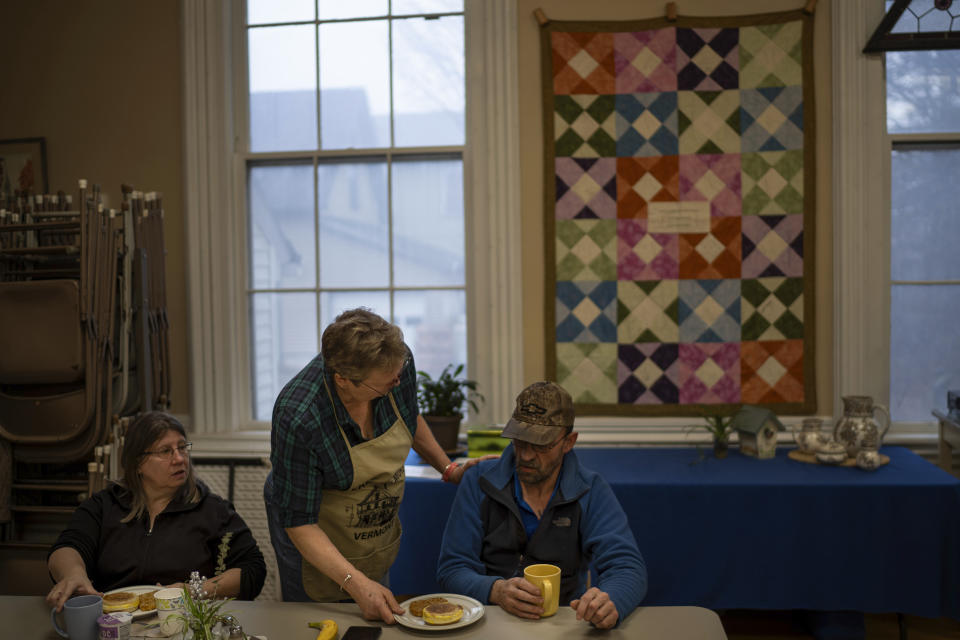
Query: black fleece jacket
[(185, 537)]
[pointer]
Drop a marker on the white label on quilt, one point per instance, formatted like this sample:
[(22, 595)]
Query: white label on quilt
[(678, 217)]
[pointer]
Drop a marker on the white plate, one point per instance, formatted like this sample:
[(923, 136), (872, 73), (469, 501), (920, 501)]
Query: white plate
[(472, 611), (142, 588)]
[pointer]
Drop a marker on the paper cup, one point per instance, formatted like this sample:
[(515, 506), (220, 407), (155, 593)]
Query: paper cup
[(170, 610)]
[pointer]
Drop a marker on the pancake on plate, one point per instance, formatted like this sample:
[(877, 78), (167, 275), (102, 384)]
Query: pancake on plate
[(416, 607), (442, 613), (147, 601), (120, 601)]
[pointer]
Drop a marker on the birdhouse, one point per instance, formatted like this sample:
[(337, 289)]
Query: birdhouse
[(757, 429)]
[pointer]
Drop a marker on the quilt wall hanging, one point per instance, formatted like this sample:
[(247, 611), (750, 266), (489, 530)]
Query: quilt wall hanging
[(679, 213)]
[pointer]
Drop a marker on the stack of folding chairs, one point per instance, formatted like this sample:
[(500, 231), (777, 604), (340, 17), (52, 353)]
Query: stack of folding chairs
[(83, 328)]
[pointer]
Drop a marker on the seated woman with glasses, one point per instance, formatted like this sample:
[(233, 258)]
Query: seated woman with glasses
[(156, 526)]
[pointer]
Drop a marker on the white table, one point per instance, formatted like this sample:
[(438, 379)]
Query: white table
[(27, 617)]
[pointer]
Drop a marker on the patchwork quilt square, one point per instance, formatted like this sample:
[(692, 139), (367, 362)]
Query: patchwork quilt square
[(645, 61), (644, 180), (588, 371), (708, 59), (646, 374), (645, 256), (714, 179), (586, 188), (586, 311), (586, 249), (647, 124)]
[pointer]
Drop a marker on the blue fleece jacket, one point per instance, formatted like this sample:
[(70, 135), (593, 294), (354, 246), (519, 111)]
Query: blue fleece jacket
[(484, 539)]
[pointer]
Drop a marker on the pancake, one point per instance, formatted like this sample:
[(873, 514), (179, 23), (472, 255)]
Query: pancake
[(416, 607), (147, 601), (120, 601), (442, 613)]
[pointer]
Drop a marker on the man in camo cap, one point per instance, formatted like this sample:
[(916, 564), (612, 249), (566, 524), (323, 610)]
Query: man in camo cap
[(537, 505)]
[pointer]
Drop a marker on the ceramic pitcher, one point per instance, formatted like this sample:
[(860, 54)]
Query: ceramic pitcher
[(858, 424)]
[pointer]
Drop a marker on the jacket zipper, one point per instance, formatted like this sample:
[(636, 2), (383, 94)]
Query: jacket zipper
[(146, 546)]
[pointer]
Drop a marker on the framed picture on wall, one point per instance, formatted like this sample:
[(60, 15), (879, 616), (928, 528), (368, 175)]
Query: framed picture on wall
[(23, 166)]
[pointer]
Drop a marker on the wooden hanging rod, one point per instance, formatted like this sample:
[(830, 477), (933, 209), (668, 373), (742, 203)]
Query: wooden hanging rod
[(670, 11)]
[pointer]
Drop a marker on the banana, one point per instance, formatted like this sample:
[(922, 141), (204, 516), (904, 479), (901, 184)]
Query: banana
[(328, 629)]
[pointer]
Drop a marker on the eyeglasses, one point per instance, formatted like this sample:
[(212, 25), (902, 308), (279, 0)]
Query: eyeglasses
[(537, 448), (167, 452), (377, 391)]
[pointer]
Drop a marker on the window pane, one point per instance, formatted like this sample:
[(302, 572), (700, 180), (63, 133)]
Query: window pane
[(283, 85), (284, 331), (434, 324), (921, 17), (266, 11), (338, 9), (333, 303), (428, 246), (428, 86), (923, 91), (925, 226), (282, 250), (406, 7), (354, 249), (924, 349), (354, 85)]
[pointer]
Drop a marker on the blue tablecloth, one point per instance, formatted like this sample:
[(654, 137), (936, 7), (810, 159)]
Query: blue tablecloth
[(742, 533)]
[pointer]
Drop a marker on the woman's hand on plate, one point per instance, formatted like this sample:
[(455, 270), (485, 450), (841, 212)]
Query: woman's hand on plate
[(376, 602)]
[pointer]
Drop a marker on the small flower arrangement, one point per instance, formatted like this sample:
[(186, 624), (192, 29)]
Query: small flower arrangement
[(204, 615)]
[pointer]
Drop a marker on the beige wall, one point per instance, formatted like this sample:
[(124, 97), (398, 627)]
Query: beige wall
[(531, 158), (100, 80)]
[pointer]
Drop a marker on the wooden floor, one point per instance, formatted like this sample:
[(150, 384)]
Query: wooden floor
[(773, 625)]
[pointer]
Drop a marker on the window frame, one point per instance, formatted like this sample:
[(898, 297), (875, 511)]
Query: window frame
[(862, 150), (214, 69)]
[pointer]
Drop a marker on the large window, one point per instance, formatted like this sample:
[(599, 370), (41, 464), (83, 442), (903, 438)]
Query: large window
[(354, 178), (923, 123)]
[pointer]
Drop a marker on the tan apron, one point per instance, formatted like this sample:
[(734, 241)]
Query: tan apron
[(362, 522)]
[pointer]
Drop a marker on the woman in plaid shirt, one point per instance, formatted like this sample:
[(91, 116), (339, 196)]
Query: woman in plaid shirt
[(342, 429)]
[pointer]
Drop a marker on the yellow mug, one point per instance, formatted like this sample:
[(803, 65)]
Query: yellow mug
[(547, 578)]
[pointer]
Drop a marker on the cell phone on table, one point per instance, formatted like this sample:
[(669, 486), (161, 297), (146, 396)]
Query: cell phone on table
[(361, 633)]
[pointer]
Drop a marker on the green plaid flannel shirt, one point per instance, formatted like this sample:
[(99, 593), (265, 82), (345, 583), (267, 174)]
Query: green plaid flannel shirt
[(306, 449)]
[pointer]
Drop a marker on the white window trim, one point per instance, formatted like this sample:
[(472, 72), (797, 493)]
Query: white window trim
[(220, 394), (861, 237)]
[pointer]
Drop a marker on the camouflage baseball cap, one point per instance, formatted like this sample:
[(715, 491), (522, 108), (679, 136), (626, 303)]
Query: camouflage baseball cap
[(544, 412)]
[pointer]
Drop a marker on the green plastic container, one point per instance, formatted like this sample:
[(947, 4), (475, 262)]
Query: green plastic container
[(481, 442)]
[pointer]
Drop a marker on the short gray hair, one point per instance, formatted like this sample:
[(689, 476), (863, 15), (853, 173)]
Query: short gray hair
[(359, 341)]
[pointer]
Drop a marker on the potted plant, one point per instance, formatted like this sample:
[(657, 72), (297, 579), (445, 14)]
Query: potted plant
[(441, 401), (720, 427)]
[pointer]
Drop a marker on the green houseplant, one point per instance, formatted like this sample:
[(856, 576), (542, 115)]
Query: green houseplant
[(720, 427), (442, 400)]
